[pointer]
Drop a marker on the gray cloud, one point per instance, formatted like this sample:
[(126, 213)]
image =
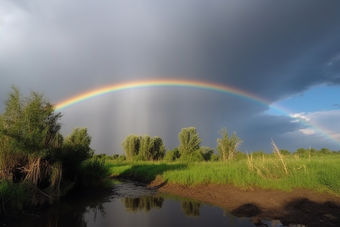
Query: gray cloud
[(271, 49)]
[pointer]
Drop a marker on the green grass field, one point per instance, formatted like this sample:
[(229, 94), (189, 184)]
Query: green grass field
[(315, 173)]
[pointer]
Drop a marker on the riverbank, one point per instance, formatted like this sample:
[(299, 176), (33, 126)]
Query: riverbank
[(299, 206), (308, 194), (319, 174)]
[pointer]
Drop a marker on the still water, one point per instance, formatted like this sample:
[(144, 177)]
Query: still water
[(131, 204)]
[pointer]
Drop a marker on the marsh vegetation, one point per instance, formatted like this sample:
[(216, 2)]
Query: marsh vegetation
[(37, 164)]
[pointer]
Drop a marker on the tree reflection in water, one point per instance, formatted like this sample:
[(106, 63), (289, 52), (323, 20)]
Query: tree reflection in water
[(145, 203), (71, 215), (65, 213), (191, 208)]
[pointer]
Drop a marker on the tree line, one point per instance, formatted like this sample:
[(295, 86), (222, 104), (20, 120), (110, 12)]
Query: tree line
[(138, 147), (145, 148)]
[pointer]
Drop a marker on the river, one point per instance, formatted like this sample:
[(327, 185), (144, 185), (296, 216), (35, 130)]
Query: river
[(131, 204)]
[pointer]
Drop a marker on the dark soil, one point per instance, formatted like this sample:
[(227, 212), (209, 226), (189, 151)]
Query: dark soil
[(299, 206)]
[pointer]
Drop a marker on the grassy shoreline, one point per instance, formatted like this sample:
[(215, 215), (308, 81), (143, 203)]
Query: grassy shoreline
[(316, 173)]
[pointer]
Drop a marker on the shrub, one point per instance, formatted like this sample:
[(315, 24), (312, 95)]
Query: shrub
[(196, 156), (121, 158), (171, 156), (92, 174), (76, 149), (240, 155), (214, 157), (115, 156), (207, 152)]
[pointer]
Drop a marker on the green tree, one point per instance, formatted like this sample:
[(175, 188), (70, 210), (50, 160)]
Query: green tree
[(227, 147), (324, 151), (302, 152), (30, 123), (189, 141), (29, 137), (157, 148), (80, 141), (143, 148), (207, 152), (131, 146)]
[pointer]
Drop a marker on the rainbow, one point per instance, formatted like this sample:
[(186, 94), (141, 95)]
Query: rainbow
[(187, 84), (163, 83)]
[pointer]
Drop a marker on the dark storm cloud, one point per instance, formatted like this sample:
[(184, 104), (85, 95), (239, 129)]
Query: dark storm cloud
[(248, 44), (332, 70), (273, 49)]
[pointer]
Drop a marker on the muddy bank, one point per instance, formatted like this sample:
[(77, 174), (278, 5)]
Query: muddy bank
[(299, 206)]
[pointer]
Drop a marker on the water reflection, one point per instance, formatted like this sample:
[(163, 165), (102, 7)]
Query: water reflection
[(145, 203), (71, 212), (127, 205), (191, 208)]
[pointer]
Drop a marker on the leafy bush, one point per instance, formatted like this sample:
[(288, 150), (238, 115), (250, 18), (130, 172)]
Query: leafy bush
[(214, 158), (171, 156), (115, 156), (92, 174), (240, 155), (196, 156), (121, 158), (76, 149), (207, 152)]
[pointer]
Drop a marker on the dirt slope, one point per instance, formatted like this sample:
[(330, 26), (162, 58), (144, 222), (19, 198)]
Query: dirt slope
[(299, 206)]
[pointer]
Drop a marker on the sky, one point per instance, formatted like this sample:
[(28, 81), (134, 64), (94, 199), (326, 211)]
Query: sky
[(284, 52)]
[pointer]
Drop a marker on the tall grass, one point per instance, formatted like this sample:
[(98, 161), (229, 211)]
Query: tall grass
[(315, 173)]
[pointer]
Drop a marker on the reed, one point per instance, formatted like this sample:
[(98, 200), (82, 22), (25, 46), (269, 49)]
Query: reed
[(277, 151)]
